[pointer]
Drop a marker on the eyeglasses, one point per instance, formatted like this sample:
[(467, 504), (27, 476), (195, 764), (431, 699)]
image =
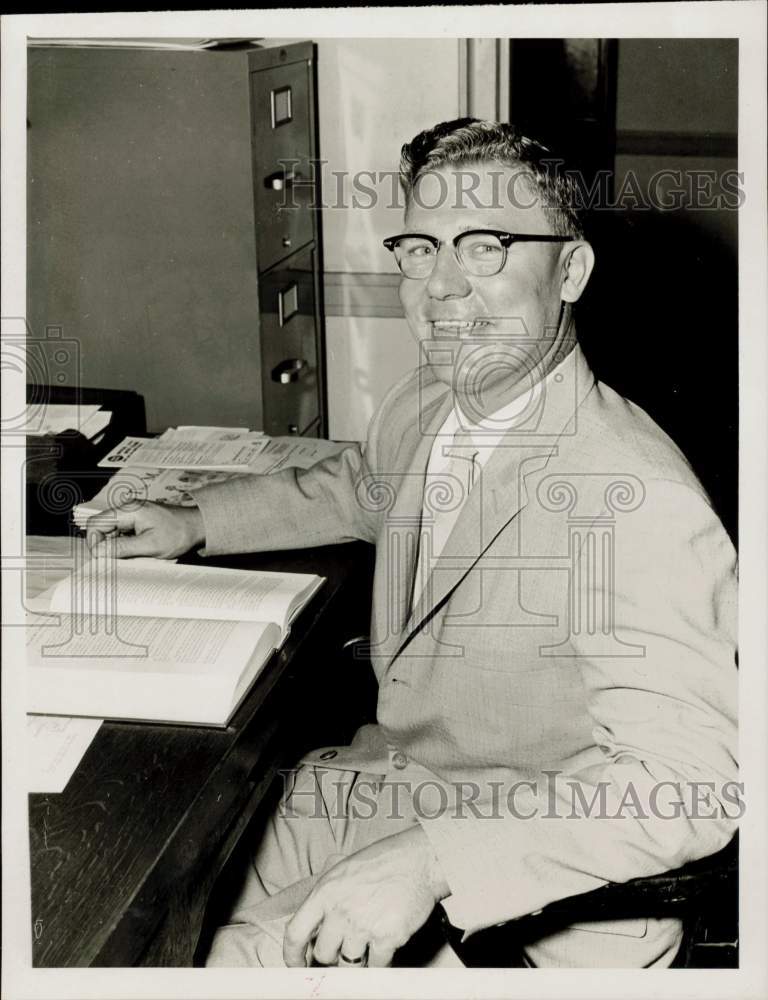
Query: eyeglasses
[(480, 252)]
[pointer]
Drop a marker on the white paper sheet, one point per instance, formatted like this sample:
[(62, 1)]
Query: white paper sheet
[(55, 746), (55, 418), (290, 452), (95, 424)]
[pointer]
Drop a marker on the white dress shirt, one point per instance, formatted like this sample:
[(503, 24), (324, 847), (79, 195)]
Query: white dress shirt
[(460, 451)]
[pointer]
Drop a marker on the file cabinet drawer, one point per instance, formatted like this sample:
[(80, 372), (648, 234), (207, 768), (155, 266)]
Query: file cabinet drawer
[(281, 153), (289, 356)]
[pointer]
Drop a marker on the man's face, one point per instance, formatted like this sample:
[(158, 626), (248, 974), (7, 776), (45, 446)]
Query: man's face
[(491, 337)]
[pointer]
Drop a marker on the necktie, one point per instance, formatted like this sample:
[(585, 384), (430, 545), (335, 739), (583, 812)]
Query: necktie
[(445, 493)]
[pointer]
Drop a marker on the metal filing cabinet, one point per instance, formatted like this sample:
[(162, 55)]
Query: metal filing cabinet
[(173, 228)]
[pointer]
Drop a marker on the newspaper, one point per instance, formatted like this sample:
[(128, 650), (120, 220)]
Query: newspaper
[(181, 452), (177, 486)]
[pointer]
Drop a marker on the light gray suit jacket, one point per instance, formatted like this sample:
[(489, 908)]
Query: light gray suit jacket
[(572, 659)]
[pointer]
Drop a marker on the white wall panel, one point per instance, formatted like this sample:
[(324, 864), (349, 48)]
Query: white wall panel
[(374, 95), (366, 355)]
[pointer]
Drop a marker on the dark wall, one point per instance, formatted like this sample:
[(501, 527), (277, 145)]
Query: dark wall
[(659, 321), (659, 324)]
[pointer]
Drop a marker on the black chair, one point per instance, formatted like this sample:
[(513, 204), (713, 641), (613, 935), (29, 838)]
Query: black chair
[(703, 893)]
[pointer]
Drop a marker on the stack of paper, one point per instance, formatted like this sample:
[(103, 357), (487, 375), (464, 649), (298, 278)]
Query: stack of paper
[(55, 418), (290, 452), (144, 43), (215, 449), (169, 469), (169, 486)]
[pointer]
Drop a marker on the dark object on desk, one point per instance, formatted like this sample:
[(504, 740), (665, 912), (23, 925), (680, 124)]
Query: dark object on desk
[(127, 407), (704, 894), (61, 470), (48, 454)]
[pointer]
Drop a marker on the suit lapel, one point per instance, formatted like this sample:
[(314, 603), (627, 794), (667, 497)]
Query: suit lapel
[(500, 493), (403, 520), (496, 499)]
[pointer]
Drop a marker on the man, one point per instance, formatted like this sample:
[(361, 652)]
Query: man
[(554, 608)]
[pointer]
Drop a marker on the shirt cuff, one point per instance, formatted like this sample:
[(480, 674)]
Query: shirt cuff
[(479, 898)]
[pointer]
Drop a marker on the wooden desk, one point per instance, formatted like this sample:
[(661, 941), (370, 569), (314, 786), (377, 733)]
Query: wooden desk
[(124, 859)]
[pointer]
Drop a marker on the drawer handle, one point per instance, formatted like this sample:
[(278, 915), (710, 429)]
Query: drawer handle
[(288, 371), (280, 181), (287, 299)]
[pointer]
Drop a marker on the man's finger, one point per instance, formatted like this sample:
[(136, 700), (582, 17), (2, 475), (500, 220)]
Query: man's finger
[(125, 546), (329, 939), (107, 522), (300, 929), (95, 536), (99, 526), (380, 956), (131, 546), (353, 951)]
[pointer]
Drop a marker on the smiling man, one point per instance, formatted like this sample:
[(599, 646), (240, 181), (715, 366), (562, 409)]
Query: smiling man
[(553, 618)]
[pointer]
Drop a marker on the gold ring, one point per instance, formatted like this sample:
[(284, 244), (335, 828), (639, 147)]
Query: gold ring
[(361, 960)]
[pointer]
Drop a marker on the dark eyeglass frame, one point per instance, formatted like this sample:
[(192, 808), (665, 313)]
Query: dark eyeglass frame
[(505, 239)]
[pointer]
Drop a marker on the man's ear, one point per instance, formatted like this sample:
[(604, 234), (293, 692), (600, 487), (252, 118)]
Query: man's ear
[(577, 263)]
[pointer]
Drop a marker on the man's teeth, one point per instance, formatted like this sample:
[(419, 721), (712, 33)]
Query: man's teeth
[(458, 326)]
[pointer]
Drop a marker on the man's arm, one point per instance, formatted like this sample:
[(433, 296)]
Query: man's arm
[(665, 792), (288, 510), (147, 529), (296, 508)]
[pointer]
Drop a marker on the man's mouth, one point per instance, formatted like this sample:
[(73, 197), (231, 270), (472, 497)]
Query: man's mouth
[(458, 327)]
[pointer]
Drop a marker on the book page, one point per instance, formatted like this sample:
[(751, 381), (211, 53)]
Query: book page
[(143, 644), (157, 588), (153, 669)]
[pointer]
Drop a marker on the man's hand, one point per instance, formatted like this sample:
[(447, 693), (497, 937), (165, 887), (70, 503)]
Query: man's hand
[(147, 529), (374, 899)]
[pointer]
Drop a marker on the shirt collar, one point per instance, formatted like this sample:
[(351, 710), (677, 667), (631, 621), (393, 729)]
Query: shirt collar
[(490, 429)]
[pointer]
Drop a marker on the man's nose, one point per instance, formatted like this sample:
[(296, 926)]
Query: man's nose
[(448, 280)]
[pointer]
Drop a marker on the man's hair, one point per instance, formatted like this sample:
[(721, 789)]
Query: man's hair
[(466, 142)]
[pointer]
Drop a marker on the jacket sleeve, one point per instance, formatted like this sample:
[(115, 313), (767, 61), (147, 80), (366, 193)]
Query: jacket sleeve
[(664, 792), (300, 508), (295, 508)]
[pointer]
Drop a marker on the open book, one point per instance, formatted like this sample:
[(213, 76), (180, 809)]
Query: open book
[(150, 640)]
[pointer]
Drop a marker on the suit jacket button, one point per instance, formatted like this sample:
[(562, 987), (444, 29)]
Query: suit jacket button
[(328, 755), (399, 760)]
